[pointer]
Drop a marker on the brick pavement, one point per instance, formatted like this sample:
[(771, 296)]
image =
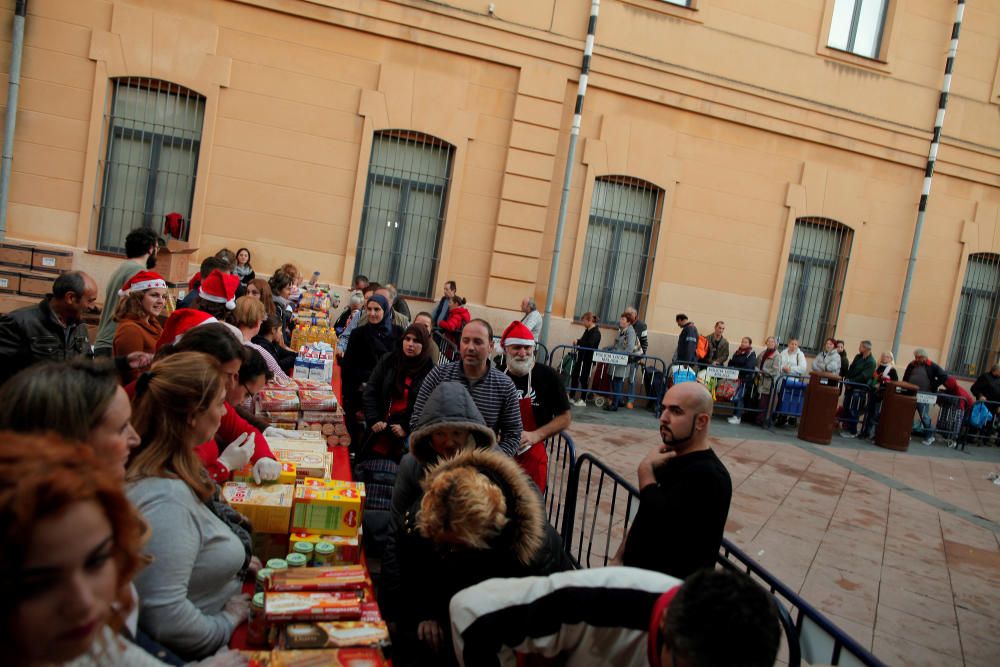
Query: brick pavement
[(899, 549)]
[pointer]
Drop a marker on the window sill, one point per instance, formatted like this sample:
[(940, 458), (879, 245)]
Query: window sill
[(873, 64), (102, 253), (689, 13)]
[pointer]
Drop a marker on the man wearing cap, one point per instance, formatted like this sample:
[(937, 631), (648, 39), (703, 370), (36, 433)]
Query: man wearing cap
[(542, 400), (141, 245)]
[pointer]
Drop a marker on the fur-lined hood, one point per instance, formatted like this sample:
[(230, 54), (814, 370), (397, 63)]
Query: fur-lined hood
[(449, 406), (525, 532)]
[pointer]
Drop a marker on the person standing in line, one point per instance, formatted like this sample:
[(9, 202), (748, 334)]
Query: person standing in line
[(591, 339), (885, 372), (746, 360), (861, 372), (828, 360), (625, 343), (928, 376), (718, 346), (687, 341), (532, 318), (767, 364)]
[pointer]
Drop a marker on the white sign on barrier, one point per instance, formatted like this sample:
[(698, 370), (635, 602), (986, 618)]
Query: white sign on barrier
[(926, 398), (612, 358), (722, 373)]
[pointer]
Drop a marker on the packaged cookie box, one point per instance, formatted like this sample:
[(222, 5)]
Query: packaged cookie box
[(277, 400), (312, 606), (317, 400), (268, 507), (324, 578), (307, 464), (346, 550), (369, 630), (330, 657)]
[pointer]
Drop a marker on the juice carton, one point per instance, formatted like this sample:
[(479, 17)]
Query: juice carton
[(327, 510)]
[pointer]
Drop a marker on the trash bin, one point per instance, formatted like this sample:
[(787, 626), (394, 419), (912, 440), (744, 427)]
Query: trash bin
[(896, 421), (819, 408)]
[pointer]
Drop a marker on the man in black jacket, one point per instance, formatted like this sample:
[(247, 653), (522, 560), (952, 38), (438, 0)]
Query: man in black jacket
[(52, 330), (687, 342), (987, 386), (928, 376)]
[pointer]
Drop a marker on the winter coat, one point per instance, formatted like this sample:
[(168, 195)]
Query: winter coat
[(458, 317), (527, 546), (378, 392), (367, 346), (862, 370), (33, 334), (591, 338), (624, 342), (935, 374), (687, 345), (827, 362), (796, 362), (844, 363), (744, 361), (400, 306), (770, 369), (718, 351), (448, 406), (642, 333), (987, 386), (136, 333)]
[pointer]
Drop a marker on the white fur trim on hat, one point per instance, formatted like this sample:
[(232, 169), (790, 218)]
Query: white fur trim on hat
[(143, 286), (230, 303), (519, 341)]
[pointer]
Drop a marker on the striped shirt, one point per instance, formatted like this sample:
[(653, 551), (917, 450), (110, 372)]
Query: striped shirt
[(279, 375), (494, 394)]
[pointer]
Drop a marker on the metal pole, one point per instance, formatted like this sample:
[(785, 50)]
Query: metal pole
[(574, 134), (928, 175), (10, 118)]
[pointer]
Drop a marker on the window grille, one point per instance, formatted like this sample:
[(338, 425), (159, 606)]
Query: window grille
[(153, 137), (403, 211), (975, 341), (857, 26), (617, 257), (814, 282)]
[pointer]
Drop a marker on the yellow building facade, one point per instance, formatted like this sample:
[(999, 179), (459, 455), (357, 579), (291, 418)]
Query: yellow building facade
[(732, 164)]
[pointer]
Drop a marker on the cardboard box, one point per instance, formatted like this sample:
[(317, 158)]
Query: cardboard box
[(267, 507), (287, 476), (326, 578), (346, 550), (36, 285), (333, 510), (307, 464), (312, 606), (331, 657), (51, 260), (370, 630), (269, 545), (277, 400), (15, 254), (10, 281)]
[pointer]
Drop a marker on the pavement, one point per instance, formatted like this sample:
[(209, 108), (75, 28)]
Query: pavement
[(900, 549)]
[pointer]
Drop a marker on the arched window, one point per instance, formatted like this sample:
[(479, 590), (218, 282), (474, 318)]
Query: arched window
[(618, 255), (153, 139), (814, 281), (975, 341), (403, 214)]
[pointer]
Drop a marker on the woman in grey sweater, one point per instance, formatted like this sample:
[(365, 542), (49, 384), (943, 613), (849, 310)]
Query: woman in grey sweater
[(190, 598)]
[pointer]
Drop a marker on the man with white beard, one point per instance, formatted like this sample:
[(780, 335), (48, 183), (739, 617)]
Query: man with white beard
[(542, 399)]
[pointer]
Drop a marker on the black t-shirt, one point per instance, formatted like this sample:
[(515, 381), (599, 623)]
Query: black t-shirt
[(547, 393), (678, 528)]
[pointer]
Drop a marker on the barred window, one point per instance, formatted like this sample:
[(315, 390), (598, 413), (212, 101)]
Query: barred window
[(975, 341), (814, 282), (153, 137), (618, 254), (403, 210), (857, 26)]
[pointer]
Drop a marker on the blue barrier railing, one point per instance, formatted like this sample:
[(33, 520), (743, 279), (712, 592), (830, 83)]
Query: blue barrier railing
[(610, 377)]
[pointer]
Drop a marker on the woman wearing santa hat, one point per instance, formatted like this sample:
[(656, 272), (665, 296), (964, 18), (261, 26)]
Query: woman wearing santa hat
[(143, 298)]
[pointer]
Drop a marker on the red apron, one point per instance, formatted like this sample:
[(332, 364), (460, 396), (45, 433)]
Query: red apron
[(534, 460)]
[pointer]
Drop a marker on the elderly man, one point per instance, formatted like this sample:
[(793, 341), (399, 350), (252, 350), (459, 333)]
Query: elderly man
[(492, 390), (684, 492), (987, 386), (532, 318), (440, 312), (542, 399), (928, 376), (51, 330), (860, 372)]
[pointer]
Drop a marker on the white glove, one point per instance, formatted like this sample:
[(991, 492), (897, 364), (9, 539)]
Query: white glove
[(266, 470), (278, 433), (238, 453), (237, 609)]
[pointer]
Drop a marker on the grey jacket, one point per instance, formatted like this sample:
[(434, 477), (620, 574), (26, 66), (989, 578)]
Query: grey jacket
[(827, 362), (624, 342)]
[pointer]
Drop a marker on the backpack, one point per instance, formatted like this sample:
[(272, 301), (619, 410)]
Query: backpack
[(702, 350)]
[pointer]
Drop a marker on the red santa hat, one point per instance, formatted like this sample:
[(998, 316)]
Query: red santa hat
[(219, 287), (516, 334), (141, 282), (180, 322)]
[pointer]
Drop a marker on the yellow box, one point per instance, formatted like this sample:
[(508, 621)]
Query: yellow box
[(307, 464), (327, 510), (268, 507), (287, 476)]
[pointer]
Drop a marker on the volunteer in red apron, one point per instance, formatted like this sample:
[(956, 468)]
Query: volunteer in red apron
[(545, 407)]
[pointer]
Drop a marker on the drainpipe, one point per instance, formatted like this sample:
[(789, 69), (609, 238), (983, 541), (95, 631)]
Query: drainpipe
[(928, 175), (10, 118), (574, 134)]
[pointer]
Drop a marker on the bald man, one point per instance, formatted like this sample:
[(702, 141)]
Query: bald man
[(684, 492)]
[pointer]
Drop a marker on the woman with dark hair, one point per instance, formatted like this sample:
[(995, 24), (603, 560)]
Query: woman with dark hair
[(254, 374), (78, 400), (269, 338), (590, 341), (828, 359), (190, 594), (242, 268), (368, 344), (745, 359), (281, 292)]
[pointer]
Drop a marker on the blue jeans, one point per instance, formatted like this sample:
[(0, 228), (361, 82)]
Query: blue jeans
[(924, 411), (618, 387)]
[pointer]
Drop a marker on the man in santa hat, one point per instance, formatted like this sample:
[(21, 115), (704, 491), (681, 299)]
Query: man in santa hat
[(544, 405)]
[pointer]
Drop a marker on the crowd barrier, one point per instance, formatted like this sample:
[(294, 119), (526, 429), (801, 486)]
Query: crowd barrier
[(591, 372), (598, 509), (986, 432), (728, 385), (449, 351), (857, 401)]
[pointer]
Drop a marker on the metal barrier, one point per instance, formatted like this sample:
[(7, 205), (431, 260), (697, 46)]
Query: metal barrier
[(643, 377), (950, 414), (788, 395), (809, 635), (988, 431), (449, 351), (728, 385), (562, 460), (857, 401)]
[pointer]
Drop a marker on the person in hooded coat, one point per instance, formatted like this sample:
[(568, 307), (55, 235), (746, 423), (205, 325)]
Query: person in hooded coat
[(479, 517)]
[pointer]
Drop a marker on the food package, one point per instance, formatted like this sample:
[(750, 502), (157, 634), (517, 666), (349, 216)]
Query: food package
[(331, 657), (310, 443), (334, 418), (328, 510), (268, 507), (257, 658), (306, 606), (370, 630), (277, 400), (324, 578), (286, 416), (317, 400), (346, 550), (288, 474), (307, 464)]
